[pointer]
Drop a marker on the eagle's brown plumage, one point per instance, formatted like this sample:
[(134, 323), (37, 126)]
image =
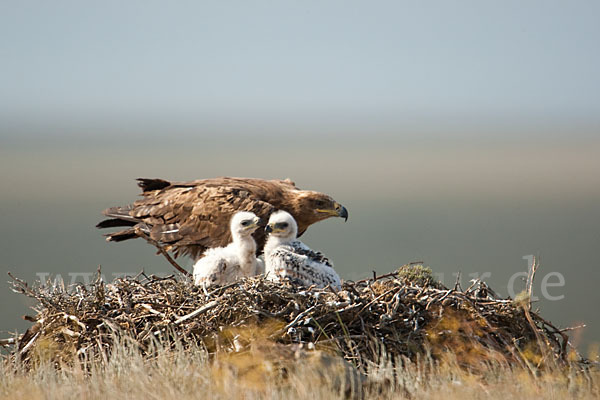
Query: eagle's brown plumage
[(189, 217)]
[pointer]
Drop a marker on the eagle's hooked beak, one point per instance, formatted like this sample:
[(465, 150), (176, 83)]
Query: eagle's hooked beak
[(341, 211)]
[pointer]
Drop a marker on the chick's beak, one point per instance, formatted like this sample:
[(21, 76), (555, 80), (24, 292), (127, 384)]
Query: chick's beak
[(268, 229), (341, 211), (252, 227)]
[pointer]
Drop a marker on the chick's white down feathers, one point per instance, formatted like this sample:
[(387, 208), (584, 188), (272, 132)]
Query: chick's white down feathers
[(221, 265)]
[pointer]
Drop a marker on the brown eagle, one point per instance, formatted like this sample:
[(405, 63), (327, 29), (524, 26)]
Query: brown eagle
[(190, 217)]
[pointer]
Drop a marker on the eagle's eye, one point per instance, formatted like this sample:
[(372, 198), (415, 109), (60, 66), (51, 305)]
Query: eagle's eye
[(320, 203)]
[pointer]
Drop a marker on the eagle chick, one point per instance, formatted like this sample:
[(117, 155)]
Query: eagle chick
[(221, 265), (288, 258)]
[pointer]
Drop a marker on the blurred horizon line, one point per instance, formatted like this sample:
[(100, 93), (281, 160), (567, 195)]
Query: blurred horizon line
[(414, 128)]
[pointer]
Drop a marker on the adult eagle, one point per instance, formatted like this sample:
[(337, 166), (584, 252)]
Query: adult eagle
[(190, 217)]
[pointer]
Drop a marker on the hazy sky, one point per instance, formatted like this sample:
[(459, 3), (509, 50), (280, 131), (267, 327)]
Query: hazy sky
[(300, 60)]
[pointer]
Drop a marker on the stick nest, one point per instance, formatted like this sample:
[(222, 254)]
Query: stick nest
[(398, 314)]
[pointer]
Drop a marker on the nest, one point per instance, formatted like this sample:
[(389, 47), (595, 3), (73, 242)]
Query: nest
[(398, 314)]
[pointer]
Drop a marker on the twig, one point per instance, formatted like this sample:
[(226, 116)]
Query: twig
[(530, 277), (372, 302), (565, 338), (473, 283), (457, 283), (389, 274), (30, 343), (153, 311), (199, 311), (223, 288), (21, 285), (376, 278), (298, 317), (7, 342), (162, 251), (572, 328)]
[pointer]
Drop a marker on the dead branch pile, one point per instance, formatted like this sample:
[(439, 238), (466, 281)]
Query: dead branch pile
[(384, 316)]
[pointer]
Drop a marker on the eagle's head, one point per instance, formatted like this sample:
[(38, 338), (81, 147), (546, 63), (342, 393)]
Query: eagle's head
[(313, 207), (243, 223), (282, 225)]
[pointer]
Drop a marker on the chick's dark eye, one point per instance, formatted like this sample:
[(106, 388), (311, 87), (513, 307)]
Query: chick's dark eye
[(245, 223), (282, 225)]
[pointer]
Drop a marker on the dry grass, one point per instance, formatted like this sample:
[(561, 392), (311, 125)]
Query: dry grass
[(267, 370)]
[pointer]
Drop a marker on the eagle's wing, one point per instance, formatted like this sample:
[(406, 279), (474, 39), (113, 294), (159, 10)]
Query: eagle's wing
[(284, 262), (312, 255), (300, 264), (190, 217)]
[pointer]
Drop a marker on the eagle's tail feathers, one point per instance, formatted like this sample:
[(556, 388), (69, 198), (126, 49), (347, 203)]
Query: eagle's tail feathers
[(114, 222), (150, 184), (127, 233), (122, 212), (121, 235)]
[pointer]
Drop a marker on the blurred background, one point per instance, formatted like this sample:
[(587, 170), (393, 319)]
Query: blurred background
[(462, 134)]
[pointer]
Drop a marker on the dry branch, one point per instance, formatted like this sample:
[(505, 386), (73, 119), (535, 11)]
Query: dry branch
[(162, 251)]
